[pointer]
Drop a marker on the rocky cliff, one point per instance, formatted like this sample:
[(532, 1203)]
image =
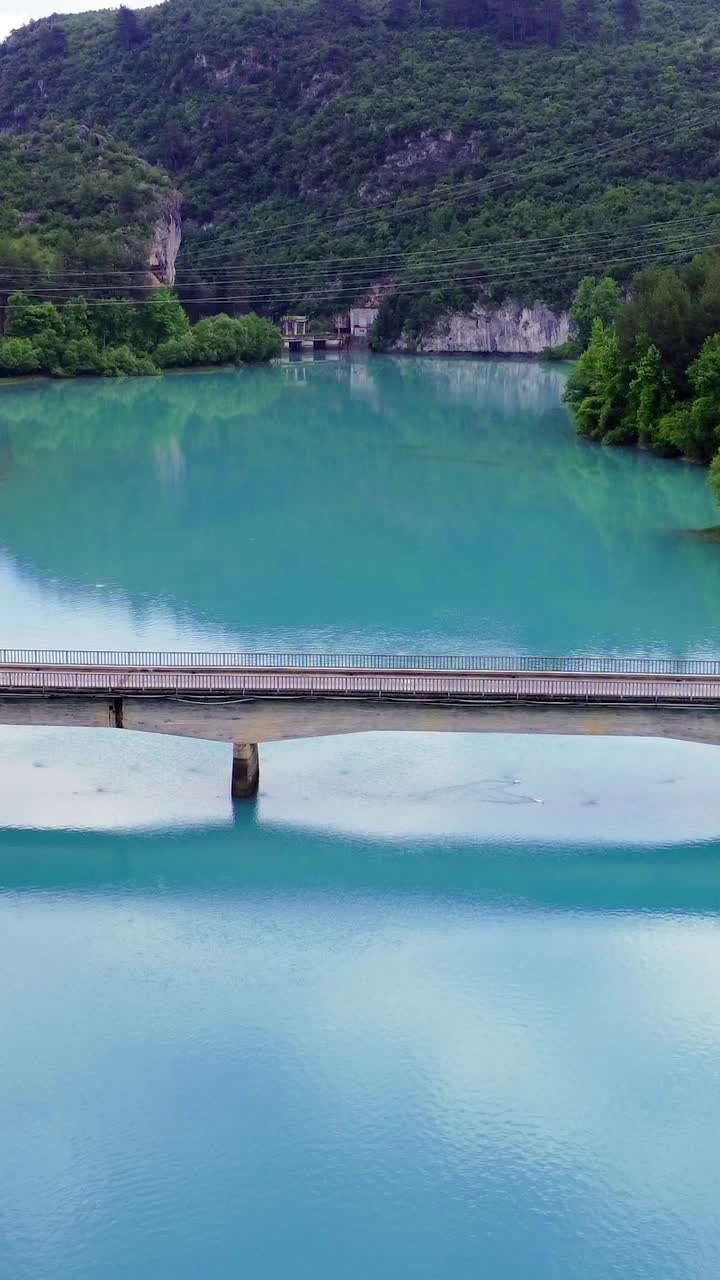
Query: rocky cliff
[(509, 328), (166, 239)]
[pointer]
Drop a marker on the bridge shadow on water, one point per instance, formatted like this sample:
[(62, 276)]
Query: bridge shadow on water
[(256, 860), (493, 822)]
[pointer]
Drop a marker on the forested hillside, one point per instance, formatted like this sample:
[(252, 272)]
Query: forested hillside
[(72, 200), (324, 146)]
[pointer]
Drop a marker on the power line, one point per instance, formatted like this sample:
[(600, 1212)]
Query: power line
[(649, 134), (413, 261), (422, 286), (493, 253), (413, 255), (497, 251)]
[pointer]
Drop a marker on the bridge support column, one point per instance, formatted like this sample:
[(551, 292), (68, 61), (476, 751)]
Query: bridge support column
[(245, 770)]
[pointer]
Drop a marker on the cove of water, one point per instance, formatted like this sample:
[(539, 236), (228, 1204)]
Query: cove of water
[(430, 1007)]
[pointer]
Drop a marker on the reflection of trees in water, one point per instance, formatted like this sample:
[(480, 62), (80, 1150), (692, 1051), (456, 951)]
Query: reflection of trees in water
[(134, 416), (6, 455), (421, 493)]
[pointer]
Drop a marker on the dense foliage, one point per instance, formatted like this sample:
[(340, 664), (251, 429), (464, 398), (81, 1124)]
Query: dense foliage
[(652, 375), (116, 338), (502, 127), (73, 200)]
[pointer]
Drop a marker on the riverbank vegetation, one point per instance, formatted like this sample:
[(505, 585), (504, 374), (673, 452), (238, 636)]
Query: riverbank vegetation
[(650, 375), (116, 338)]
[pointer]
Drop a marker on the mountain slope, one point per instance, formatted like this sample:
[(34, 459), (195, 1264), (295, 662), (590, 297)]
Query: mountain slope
[(294, 129)]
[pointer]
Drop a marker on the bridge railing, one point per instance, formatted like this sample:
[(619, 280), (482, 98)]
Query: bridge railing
[(362, 661)]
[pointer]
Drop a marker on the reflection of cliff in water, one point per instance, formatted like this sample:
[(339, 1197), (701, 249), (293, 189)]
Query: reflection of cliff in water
[(387, 499), (514, 385)]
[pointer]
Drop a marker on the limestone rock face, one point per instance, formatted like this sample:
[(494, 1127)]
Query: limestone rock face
[(509, 328), (430, 154), (166, 240)]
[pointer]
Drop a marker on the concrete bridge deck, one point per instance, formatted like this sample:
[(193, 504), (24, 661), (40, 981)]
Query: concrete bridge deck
[(251, 698)]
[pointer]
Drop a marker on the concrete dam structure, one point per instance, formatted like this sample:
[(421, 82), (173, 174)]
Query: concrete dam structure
[(249, 698)]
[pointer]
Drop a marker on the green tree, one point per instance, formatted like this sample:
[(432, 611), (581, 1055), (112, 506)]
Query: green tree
[(629, 13), (177, 353), (258, 339), (702, 430), (594, 300), (651, 394), (216, 340), (656, 377), (123, 362), (81, 356), (76, 320), (161, 318), (27, 319), (50, 347), (129, 31), (597, 390), (18, 356), (114, 322), (672, 433), (391, 320), (24, 254), (52, 42), (585, 18), (659, 314)]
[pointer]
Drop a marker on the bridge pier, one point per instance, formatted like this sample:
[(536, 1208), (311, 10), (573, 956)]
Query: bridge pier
[(245, 770)]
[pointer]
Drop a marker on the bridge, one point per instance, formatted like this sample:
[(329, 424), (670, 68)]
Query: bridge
[(248, 698)]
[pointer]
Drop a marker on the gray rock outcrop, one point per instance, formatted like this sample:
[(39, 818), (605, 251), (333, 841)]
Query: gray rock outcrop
[(508, 328), (166, 239)]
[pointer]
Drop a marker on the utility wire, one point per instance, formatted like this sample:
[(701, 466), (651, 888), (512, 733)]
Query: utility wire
[(423, 257), (411, 256), (559, 166), (422, 286), (427, 201), (606, 242)]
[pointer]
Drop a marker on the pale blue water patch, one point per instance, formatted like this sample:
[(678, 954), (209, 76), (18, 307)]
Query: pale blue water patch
[(456, 787), (432, 1005), (98, 780), (404, 787)]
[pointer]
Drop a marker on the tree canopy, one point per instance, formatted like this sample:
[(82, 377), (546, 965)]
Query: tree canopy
[(114, 338), (652, 377)]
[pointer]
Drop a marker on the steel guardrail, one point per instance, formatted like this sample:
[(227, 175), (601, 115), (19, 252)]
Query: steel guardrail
[(189, 684), (162, 659)]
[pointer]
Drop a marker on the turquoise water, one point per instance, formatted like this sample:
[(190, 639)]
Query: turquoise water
[(430, 1007), (376, 504)]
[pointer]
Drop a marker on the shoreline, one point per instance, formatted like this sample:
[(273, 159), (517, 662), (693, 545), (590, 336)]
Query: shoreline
[(33, 378), (526, 357)]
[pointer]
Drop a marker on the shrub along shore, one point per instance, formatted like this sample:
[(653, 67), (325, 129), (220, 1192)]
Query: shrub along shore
[(649, 373), (116, 338)]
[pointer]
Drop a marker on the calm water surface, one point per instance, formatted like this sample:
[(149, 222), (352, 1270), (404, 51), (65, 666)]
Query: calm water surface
[(433, 1006)]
